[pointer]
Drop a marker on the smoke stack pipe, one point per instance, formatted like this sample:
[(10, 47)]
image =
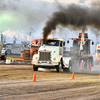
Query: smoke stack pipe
[(54, 32), (82, 39)]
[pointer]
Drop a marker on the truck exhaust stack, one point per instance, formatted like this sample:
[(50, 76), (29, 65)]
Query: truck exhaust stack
[(54, 32), (82, 39)]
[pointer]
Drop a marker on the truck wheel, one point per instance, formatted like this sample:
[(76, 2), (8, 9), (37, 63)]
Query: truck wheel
[(3, 57), (88, 65), (59, 67), (35, 68), (8, 51)]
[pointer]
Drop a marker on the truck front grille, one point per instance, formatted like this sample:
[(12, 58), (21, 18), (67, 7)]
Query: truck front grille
[(44, 56)]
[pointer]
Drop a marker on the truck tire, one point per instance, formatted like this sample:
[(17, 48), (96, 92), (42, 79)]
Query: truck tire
[(8, 51), (3, 57), (88, 65), (35, 68), (59, 67)]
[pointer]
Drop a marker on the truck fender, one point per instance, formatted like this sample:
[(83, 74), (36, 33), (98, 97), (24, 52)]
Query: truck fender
[(66, 61), (34, 60), (35, 55)]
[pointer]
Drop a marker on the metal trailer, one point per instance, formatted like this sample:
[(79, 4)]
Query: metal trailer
[(81, 59)]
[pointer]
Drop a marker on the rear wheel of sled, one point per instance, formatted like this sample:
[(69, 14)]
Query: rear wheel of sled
[(89, 65), (35, 68), (59, 67)]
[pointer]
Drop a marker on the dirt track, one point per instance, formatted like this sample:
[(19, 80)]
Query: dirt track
[(58, 86), (54, 89)]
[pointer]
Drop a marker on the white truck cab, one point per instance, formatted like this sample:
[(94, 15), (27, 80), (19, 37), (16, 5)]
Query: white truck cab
[(51, 55)]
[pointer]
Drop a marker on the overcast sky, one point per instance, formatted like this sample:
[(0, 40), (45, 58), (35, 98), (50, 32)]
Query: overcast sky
[(18, 17)]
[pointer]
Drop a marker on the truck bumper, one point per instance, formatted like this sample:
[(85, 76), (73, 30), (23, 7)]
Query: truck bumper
[(45, 64)]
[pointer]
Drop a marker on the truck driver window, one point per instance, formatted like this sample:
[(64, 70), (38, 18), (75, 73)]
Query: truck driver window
[(52, 42)]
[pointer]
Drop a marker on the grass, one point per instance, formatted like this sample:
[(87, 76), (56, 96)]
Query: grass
[(13, 56)]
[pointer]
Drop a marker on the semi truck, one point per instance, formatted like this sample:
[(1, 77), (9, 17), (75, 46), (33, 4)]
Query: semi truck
[(52, 54), (12, 48)]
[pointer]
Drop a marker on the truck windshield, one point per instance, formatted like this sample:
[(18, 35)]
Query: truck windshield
[(34, 46), (98, 51), (52, 42)]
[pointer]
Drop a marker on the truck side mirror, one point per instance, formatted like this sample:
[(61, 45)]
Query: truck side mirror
[(67, 41), (63, 43), (36, 41), (92, 43)]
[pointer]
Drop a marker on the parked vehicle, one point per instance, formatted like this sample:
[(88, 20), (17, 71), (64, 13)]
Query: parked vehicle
[(16, 48)]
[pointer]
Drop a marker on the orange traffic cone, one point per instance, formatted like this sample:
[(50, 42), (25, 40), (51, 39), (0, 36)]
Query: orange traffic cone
[(72, 76), (15, 59), (34, 78)]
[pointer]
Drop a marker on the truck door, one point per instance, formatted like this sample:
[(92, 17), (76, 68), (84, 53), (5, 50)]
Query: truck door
[(61, 48)]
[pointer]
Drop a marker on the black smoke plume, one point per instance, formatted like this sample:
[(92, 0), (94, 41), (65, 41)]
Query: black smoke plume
[(75, 16)]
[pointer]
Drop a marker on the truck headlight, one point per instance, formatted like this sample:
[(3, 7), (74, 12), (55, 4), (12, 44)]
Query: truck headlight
[(56, 59)]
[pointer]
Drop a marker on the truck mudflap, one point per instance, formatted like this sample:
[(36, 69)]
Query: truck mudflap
[(66, 61)]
